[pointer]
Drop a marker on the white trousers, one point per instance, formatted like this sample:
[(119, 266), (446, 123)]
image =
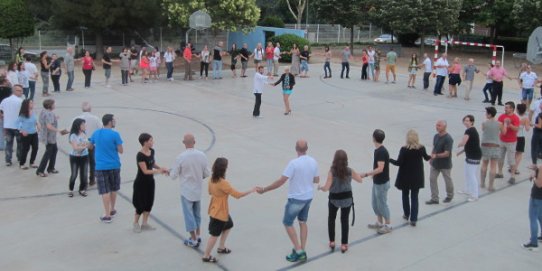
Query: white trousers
[(471, 180)]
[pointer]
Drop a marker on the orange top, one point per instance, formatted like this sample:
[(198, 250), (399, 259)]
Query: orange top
[(187, 53), (455, 68), (218, 207)]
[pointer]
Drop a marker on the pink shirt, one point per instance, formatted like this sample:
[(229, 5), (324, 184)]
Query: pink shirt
[(498, 73), (456, 68)]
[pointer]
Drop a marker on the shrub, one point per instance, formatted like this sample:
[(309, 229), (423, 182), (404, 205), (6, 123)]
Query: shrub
[(286, 41), (272, 21)]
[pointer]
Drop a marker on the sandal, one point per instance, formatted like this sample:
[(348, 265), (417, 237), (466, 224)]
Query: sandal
[(83, 193), (23, 167), (332, 246), (210, 259), (41, 174), (344, 248), (70, 194), (223, 250), (54, 171)]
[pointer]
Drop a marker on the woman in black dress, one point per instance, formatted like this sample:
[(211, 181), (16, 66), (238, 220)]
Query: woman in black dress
[(410, 175), (143, 197)]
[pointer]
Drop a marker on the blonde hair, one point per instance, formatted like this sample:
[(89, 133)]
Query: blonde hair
[(413, 140)]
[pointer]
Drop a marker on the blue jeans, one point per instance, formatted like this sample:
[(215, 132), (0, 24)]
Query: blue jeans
[(31, 89), (12, 135), (535, 215), (169, 67), (327, 68), (488, 87), (439, 83), (304, 66), (269, 63), (372, 70), (192, 214), (217, 69), (45, 80), (2, 143), (380, 200), (296, 208), (70, 80)]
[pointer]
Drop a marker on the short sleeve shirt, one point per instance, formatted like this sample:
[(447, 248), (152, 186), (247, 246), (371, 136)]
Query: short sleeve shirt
[(440, 145), (442, 71), (511, 135), (381, 155), (107, 57), (79, 140), (469, 72), (428, 65), (346, 55), (391, 57), (301, 173), (70, 65), (46, 135), (217, 53), (105, 141), (472, 148), (528, 80)]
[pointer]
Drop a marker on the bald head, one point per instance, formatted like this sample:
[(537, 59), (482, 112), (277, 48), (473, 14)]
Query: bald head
[(189, 141), (85, 106), (441, 126), (301, 146)]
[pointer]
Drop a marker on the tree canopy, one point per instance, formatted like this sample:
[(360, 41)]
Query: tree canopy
[(16, 22)]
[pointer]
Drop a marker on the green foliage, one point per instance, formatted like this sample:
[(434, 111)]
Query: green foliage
[(15, 20), (272, 21), (286, 41), (408, 38), (526, 14)]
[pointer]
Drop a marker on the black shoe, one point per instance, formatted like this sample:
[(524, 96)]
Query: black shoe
[(446, 200), (531, 247), (539, 239), (501, 104), (430, 202), (413, 223)]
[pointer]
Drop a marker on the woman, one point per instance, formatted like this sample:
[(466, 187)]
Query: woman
[(220, 222), (524, 127), (88, 67), (55, 72), (23, 78), (12, 74), (294, 52), (288, 82), (28, 129), (269, 54), (143, 197), (491, 152), (473, 153), (144, 65), (48, 121), (205, 59), (234, 53), (327, 62), (410, 177), (45, 64), (304, 56), (488, 86), (169, 58), (377, 65), (365, 62), (339, 185), (78, 156), (412, 70), (455, 77), (153, 66), (19, 57)]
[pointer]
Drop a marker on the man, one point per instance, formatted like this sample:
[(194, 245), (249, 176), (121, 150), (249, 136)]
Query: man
[(497, 74), (381, 184), (191, 168), (217, 60), (441, 162), (187, 56), (244, 54), (468, 77), (258, 55), (427, 70), (9, 109), (133, 62), (107, 144), (345, 64), (32, 71), (509, 137), (106, 63), (391, 59), (69, 63), (92, 123), (276, 58), (441, 70), (527, 81), (259, 82), (536, 139), (302, 173), (124, 65), (535, 212), (371, 53)]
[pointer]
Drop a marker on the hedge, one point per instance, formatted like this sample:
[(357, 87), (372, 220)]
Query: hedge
[(286, 41)]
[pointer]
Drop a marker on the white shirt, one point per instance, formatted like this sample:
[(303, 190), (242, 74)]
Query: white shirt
[(371, 55), (535, 108), (11, 107), (191, 168), (13, 77), (32, 71), (528, 80), (259, 82), (92, 123), (444, 70), (301, 173), (169, 57), (428, 65), (258, 54), (489, 79), (276, 54)]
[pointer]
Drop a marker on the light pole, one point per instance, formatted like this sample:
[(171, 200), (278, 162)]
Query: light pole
[(83, 35)]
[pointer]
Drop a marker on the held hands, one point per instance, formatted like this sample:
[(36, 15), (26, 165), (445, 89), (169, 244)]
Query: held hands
[(64, 132), (259, 189), (164, 171)]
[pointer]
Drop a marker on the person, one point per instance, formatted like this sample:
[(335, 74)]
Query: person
[(488, 86), (191, 169), (10, 108), (45, 65), (92, 123), (108, 145), (187, 56), (427, 70), (158, 59), (220, 222), (295, 54), (339, 185), (234, 53), (78, 157), (48, 122), (69, 65), (365, 62), (490, 142), (5, 92), (56, 72), (134, 58), (524, 127), (473, 153), (28, 127), (244, 54), (304, 55), (217, 60), (288, 81), (144, 65), (259, 81), (106, 65), (204, 65), (258, 55), (12, 74), (124, 65), (412, 70), (527, 80), (345, 64), (441, 162), (377, 66), (410, 177), (276, 58), (381, 184), (508, 136), (454, 78), (19, 56), (88, 67), (371, 53), (468, 75), (327, 62), (23, 76), (143, 195), (497, 74), (535, 212), (391, 60), (536, 138), (269, 58), (441, 71), (169, 58), (32, 77)]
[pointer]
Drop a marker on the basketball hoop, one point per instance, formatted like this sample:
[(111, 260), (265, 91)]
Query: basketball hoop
[(199, 20)]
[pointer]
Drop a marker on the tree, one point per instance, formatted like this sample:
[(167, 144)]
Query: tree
[(299, 9), (526, 14), (16, 22), (496, 15)]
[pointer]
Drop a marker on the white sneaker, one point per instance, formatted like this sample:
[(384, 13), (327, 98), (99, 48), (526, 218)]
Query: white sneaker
[(137, 228), (385, 229)]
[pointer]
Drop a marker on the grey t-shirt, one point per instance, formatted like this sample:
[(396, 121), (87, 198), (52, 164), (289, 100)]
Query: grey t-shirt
[(469, 72), (125, 61), (70, 65), (346, 56), (47, 117), (440, 145)]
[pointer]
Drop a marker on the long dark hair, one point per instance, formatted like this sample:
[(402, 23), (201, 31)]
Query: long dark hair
[(25, 108), (76, 126), (219, 169), (339, 167)]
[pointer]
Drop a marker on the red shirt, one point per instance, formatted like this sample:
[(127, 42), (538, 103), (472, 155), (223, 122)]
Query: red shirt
[(511, 135), (187, 54), (269, 52), (365, 59), (87, 63)]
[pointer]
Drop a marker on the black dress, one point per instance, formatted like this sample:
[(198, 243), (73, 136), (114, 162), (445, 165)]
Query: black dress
[(411, 173), (143, 197)]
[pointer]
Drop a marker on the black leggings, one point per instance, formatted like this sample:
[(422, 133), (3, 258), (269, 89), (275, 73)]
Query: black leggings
[(204, 67), (30, 140), (364, 71), (78, 164), (345, 213)]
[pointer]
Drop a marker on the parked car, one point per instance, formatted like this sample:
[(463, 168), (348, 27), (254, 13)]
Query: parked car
[(6, 54), (430, 40), (386, 38)]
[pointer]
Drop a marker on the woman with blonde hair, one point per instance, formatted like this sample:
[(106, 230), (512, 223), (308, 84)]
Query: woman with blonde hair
[(410, 177)]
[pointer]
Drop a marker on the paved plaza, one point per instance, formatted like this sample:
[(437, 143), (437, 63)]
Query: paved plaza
[(43, 229)]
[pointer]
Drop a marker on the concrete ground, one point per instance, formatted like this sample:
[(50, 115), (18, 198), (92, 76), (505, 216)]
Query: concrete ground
[(43, 229)]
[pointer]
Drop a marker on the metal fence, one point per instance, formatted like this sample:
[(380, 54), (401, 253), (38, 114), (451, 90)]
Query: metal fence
[(327, 33)]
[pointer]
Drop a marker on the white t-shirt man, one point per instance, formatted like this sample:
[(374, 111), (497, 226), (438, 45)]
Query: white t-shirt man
[(191, 168), (535, 109), (276, 54), (301, 173), (92, 123), (371, 54), (11, 107), (259, 82), (443, 70), (528, 79), (428, 65), (32, 71)]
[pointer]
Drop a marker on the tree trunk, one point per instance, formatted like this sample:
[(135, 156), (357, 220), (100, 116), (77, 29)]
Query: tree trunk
[(422, 42), (99, 45), (352, 40), (493, 34)]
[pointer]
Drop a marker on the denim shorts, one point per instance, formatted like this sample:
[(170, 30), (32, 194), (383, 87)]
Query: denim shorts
[(296, 208), (191, 213), (527, 94), (108, 181), (304, 65), (107, 73)]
